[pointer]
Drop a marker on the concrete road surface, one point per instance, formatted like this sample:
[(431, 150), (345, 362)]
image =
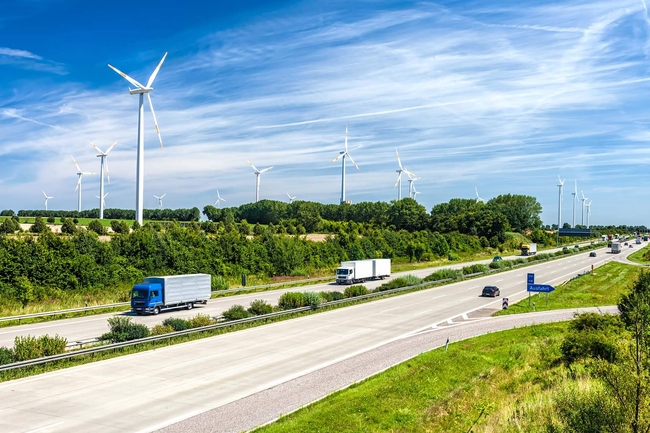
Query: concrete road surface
[(83, 328), (154, 389)]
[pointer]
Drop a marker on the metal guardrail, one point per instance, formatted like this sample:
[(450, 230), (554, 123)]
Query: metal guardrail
[(81, 352)]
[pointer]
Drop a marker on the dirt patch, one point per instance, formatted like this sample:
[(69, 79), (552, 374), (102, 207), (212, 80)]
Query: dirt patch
[(317, 237)]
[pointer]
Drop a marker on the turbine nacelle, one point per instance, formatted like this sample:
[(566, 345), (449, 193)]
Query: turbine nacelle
[(138, 91)]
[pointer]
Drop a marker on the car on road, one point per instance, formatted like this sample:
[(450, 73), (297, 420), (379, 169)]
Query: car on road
[(631, 246), (565, 249), (492, 291), (497, 259), (576, 246), (592, 254), (625, 243)]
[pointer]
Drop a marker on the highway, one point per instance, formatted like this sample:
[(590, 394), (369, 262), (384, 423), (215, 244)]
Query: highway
[(92, 326), (157, 388)]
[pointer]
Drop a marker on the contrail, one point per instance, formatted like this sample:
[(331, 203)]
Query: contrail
[(646, 11), (12, 113), (375, 113)]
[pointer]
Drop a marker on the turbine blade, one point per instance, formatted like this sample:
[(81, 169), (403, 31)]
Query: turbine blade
[(107, 174), (96, 148), (399, 161), (338, 157), (155, 71), (45, 194), (353, 163), (254, 168), (163, 195), (346, 138), (287, 196), (126, 77), (155, 122), (267, 169), (109, 149), (78, 182), (399, 176), (75, 163)]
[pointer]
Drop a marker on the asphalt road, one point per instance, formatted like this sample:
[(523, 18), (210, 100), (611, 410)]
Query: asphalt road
[(154, 389), (92, 326)]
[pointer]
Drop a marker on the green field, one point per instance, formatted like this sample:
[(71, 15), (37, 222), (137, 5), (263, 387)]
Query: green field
[(503, 382), (603, 287), (637, 256)]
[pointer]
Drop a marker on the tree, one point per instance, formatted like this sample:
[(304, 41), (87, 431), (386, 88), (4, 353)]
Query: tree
[(39, 226), (120, 227), (68, 227), (97, 227), (51, 220), (522, 211), (24, 291), (409, 215)]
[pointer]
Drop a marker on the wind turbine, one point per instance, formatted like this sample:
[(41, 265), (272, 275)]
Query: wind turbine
[(412, 184), (415, 191), (575, 197), (588, 205), (142, 90), (257, 182), (291, 199), (219, 200), (343, 154), (103, 200), (584, 199), (478, 199), (103, 166), (399, 173), (160, 200), (560, 187), (46, 199), (78, 188)]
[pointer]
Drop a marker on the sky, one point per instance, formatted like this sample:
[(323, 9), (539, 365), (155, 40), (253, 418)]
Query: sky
[(501, 96)]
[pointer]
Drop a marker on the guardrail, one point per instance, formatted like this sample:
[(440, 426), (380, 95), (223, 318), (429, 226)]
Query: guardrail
[(112, 346)]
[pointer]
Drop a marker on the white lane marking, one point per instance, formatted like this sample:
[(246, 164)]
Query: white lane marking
[(441, 296), (46, 427), (519, 275), (499, 280), (423, 312), (353, 333), (449, 321), (465, 316), (390, 309)]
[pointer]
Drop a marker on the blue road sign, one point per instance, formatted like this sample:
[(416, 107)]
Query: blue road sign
[(544, 288), (531, 278)]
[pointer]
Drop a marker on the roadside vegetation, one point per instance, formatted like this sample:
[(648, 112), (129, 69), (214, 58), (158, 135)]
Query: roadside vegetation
[(588, 375), (641, 256)]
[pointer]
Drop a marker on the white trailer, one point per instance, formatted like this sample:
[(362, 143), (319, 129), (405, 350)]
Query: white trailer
[(616, 247), (157, 293), (359, 271)]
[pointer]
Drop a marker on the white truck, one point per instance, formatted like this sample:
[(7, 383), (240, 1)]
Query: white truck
[(359, 271), (174, 291), (529, 249), (616, 247), (638, 240)]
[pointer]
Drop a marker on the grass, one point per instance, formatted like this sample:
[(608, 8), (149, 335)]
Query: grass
[(500, 382), (637, 256), (602, 287)]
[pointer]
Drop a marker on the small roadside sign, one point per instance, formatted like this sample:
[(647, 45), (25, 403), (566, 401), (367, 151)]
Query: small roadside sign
[(543, 288), (504, 304), (531, 278)]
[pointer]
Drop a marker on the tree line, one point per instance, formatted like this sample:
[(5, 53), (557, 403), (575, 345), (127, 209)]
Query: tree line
[(193, 214)]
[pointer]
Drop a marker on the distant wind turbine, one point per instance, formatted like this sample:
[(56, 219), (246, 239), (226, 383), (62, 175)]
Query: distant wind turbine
[(412, 184), (584, 199), (219, 200), (291, 199), (103, 167), (401, 170), (46, 199), (559, 206), (478, 199), (80, 174), (142, 90), (160, 200), (343, 154), (575, 197), (415, 191), (257, 179), (588, 205)]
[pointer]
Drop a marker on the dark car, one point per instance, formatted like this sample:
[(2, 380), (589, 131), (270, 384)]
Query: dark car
[(497, 259), (565, 248), (592, 254), (492, 291), (576, 246), (631, 246), (625, 243)]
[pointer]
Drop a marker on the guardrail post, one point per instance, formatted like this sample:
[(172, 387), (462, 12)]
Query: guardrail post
[(243, 280)]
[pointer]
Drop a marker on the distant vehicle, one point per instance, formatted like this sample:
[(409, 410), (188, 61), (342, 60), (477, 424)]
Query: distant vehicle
[(359, 271), (592, 254), (645, 238), (638, 240), (174, 291), (616, 236), (609, 236), (492, 291), (625, 244), (497, 259), (631, 246), (603, 238), (528, 249), (565, 249), (576, 246), (616, 247)]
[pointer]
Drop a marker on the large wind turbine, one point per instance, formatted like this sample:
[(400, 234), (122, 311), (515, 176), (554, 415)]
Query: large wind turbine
[(142, 90), (257, 179), (103, 167), (46, 199), (584, 199), (219, 200), (478, 199), (343, 154), (560, 187), (80, 174), (160, 200), (412, 184), (399, 172), (588, 205), (575, 197), (291, 199)]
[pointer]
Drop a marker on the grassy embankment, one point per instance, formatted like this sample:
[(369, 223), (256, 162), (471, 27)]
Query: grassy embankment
[(602, 287), (637, 256)]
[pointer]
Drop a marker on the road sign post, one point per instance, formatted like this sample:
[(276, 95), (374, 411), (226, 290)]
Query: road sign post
[(504, 304), (530, 280)]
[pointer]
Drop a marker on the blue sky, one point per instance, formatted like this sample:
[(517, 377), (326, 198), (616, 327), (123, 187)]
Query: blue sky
[(499, 95)]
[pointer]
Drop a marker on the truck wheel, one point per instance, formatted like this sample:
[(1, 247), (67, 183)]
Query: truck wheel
[(190, 306), (156, 311)]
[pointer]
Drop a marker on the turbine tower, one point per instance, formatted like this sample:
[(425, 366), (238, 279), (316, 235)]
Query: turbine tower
[(160, 200), (46, 199), (142, 90), (588, 205), (412, 184), (103, 200), (560, 187), (80, 174), (584, 199), (219, 200), (291, 199), (343, 154), (257, 180), (478, 199), (102, 167), (575, 197), (399, 173)]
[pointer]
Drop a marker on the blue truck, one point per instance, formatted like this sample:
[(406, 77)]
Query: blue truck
[(175, 291)]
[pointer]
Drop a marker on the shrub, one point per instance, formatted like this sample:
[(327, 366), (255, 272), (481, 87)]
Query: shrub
[(259, 307), (327, 296), (452, 257), (176, 323), (52, 345), (291, 300), (75, 220), (123, 329), (119, 227), (219, 283), (51, 220), (97, 227), (411, 280), (236, 312), (312, 299), (353, 291), (161, 329), (473, 269), (299, 273), (337, 296), (200, 320), (68, 227), (6, 355), (29, 347), (39, 226)]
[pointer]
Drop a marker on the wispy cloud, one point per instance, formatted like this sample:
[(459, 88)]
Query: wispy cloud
[(28, 60)]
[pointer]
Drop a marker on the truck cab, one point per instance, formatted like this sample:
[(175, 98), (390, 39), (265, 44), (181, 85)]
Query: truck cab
[(147, 298), (344, 275)]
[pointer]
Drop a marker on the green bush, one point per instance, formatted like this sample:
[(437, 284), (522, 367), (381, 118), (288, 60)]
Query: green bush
[(299, 273), (176, 323), (200, 320), (337, 296), (444, 274), (259, 307), (68, 227), (39, 226), (236, 312), (453, 257), (29, 347), (312, 299), (119, 227), (473, 269), (123, 329), (6, 355), (411, 280), (160, 329), (327, 296), (219, 283), (353, 291), (291, 300), (97, 227), (51, 220), (405, 281)]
